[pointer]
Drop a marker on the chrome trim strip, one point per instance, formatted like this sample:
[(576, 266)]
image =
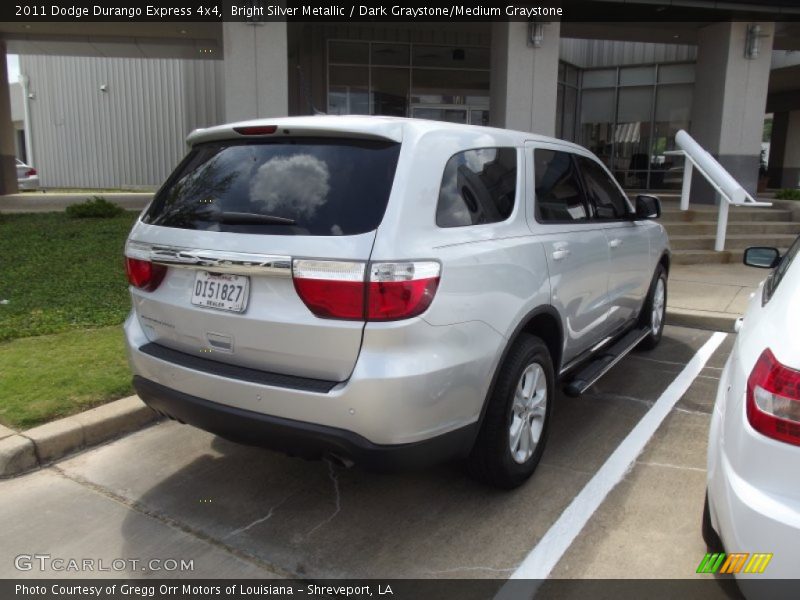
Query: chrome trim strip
[(218, 261), (618, 358)]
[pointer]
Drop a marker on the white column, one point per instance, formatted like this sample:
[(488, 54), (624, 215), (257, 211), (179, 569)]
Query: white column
[(730, 96), (524, 78), (256, 70), (8, 169)]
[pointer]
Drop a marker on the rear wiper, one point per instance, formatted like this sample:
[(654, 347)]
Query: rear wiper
[(244, 218)]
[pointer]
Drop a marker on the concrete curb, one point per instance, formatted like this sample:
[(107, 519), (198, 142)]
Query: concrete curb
[(27, 450), (702, 319)]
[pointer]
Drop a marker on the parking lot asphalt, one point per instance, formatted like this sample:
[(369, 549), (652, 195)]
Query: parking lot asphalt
[(172, 491)]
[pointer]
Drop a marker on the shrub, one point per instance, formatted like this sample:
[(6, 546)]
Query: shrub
[(787, 194), (96, 207)]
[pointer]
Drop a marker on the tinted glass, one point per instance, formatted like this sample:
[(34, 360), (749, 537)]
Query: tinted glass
[(478, 186), (774, 280), (558, 194), (608, 201), (325, 186)]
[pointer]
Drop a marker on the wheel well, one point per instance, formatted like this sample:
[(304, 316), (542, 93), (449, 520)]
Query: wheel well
[(664, 262), (548, 328)]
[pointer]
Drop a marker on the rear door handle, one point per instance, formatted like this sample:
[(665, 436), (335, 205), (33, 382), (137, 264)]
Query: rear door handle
[(615, 243), (560, 254)]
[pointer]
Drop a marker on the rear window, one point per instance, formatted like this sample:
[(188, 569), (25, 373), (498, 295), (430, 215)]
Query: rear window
[(300, 186), (478, 187)]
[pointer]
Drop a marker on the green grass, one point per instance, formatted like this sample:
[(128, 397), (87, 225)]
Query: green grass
[(60, 274), (47, 377), (787, 194)]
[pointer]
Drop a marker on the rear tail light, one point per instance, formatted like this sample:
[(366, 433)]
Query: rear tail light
[(143, 274), (30, 172), (401, 290), (342, 290), (331, 289), (773, 399)]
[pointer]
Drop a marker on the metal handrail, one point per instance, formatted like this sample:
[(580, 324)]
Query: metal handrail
[(729, 190)]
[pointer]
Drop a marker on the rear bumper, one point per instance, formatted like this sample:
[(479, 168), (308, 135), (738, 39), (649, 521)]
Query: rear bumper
[(298, 438), (28, 183), (411, 383)]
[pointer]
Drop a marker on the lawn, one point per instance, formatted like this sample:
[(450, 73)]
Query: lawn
[(50, 376), (59, 274), (63, 297)]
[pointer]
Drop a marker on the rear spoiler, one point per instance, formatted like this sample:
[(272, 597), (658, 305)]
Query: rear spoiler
[(269, 130)]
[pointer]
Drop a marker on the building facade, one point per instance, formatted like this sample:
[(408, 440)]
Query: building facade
[(120, 122)]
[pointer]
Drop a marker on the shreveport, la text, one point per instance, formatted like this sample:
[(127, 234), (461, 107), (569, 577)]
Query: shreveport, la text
[(145, 590)]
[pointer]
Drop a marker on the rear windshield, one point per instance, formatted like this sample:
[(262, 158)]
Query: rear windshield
[(300, 186)]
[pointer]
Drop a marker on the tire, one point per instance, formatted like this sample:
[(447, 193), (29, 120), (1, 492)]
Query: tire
[(519, 421), (655, 310)]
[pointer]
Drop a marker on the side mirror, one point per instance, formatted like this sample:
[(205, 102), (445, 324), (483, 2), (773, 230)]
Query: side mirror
[(763, 257), (647, 207)]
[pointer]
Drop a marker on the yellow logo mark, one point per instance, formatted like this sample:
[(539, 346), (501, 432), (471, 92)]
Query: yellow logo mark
[(758, 562)]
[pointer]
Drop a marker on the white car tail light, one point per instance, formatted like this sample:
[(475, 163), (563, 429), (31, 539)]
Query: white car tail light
[(773, 399), (341, 290)]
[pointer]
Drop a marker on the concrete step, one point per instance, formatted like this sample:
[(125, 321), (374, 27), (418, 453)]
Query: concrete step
[(672, 215), (703, 257), (675, 228), (732, 242)]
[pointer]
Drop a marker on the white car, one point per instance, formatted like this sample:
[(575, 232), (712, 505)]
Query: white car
[(27, 177), (753, 499)]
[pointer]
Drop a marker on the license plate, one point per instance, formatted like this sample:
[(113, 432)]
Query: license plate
[(221, 291)]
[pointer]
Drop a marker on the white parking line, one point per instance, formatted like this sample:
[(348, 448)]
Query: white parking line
[(546, 554)]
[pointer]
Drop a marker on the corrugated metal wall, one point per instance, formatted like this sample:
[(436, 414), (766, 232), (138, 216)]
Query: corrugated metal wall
[(607, 53), (130, 135)]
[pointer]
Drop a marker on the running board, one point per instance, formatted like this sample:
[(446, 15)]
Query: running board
[(598, 366)]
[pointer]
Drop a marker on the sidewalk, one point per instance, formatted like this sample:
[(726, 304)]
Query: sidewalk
[(57, 201), (710, 296)]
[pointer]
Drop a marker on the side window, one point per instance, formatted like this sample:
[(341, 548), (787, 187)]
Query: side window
[(559, 197), (478, 187), (608, 201), (774, 279)]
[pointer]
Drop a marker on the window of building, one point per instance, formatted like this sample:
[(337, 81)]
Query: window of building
[(567, 101), (428, 81), (629, 117), (478, 187), (558, 195)]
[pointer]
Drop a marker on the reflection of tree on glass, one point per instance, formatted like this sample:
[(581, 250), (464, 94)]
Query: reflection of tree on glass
[(280, 186), (299, 184), (191, 195)]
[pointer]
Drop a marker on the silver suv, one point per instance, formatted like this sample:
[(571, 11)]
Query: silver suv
[(388, 291)]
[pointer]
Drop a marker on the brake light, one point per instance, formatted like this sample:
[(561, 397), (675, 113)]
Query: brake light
[(30, 172), (401, 290), (341, 290), (256, 130), (331, 289), (143, 274), (773, 399)]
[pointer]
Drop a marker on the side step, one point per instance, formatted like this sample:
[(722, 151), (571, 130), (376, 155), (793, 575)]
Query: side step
[(597, 367)]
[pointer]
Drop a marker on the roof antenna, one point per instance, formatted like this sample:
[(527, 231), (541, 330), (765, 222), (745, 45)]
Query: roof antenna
[(307, 93)]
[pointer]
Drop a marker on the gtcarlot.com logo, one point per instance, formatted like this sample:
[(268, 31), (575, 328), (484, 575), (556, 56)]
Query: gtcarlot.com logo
[(47, 562), (737, 562)]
